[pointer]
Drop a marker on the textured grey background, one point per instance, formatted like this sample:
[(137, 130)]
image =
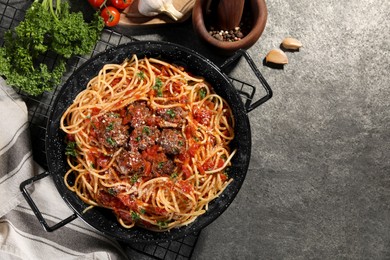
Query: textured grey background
[(318, 186)]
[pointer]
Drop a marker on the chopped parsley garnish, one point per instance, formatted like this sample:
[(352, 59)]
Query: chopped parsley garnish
[(110, 127), (134, 178), (138, 138), (158, 83), (71, 149), (141, 74), (158, 87), (174, 175), (111, 191), (162, 224), (202, 93), (180, 143), (142, 211), (135, 216), (171, 113), (146, 130), (116, 115), (111, 141), (160, 165)]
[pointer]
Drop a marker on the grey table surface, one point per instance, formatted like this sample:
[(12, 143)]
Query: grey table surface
[(318, 185)]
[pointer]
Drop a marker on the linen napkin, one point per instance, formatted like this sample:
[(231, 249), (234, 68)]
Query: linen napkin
[(21, 234), (16, 163)]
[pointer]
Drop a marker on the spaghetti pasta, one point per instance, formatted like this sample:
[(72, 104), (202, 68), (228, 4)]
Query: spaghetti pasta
[(150, 142)]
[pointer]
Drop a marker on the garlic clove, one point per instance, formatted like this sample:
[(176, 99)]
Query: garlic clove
[(171, 11), (276, 56), (291, 44), (156, 7), (149, 8)]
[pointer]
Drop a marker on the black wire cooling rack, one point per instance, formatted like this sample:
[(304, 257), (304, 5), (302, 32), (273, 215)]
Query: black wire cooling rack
[(11, 14)]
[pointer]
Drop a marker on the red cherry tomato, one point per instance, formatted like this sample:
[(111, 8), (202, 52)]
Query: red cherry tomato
[(96, 3), (121, 4), (110, 16)]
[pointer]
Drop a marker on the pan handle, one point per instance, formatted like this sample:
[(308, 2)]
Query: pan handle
[(34, 207), (250, 104)]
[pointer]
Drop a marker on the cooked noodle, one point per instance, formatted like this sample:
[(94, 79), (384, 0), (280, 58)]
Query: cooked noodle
[(149, 141)]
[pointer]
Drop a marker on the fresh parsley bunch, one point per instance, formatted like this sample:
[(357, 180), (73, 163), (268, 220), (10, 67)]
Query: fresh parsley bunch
[(47, 28)]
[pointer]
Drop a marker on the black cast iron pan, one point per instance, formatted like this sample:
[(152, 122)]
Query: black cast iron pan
[(102, 219)]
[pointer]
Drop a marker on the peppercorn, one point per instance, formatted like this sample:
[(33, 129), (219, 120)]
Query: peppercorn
[(229, 36)]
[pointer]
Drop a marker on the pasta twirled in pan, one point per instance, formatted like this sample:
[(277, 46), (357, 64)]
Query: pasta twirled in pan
[(149, 141)]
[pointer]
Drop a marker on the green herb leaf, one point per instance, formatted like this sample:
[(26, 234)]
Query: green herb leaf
[(158, 83), (46, 27), (71, 149), (226, 174), (162, 224), (135, 216), (202, 93), (112, 191), (146, 130), (160, 165), (110, 141), (171, 113), (115, 115), (141, 74), (158, 87), (134, 178), (110, 127)]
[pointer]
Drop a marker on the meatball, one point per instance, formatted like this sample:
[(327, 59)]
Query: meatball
[(143, 137), (139, 113), (175, 115), (162, 165), (172, 141), (110, 131), (107, 200), (130, 162)]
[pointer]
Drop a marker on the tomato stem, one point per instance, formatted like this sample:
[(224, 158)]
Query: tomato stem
[(103, 4)]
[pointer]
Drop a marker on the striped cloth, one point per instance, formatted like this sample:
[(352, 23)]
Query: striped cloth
[(16, 162), (21, 235)]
